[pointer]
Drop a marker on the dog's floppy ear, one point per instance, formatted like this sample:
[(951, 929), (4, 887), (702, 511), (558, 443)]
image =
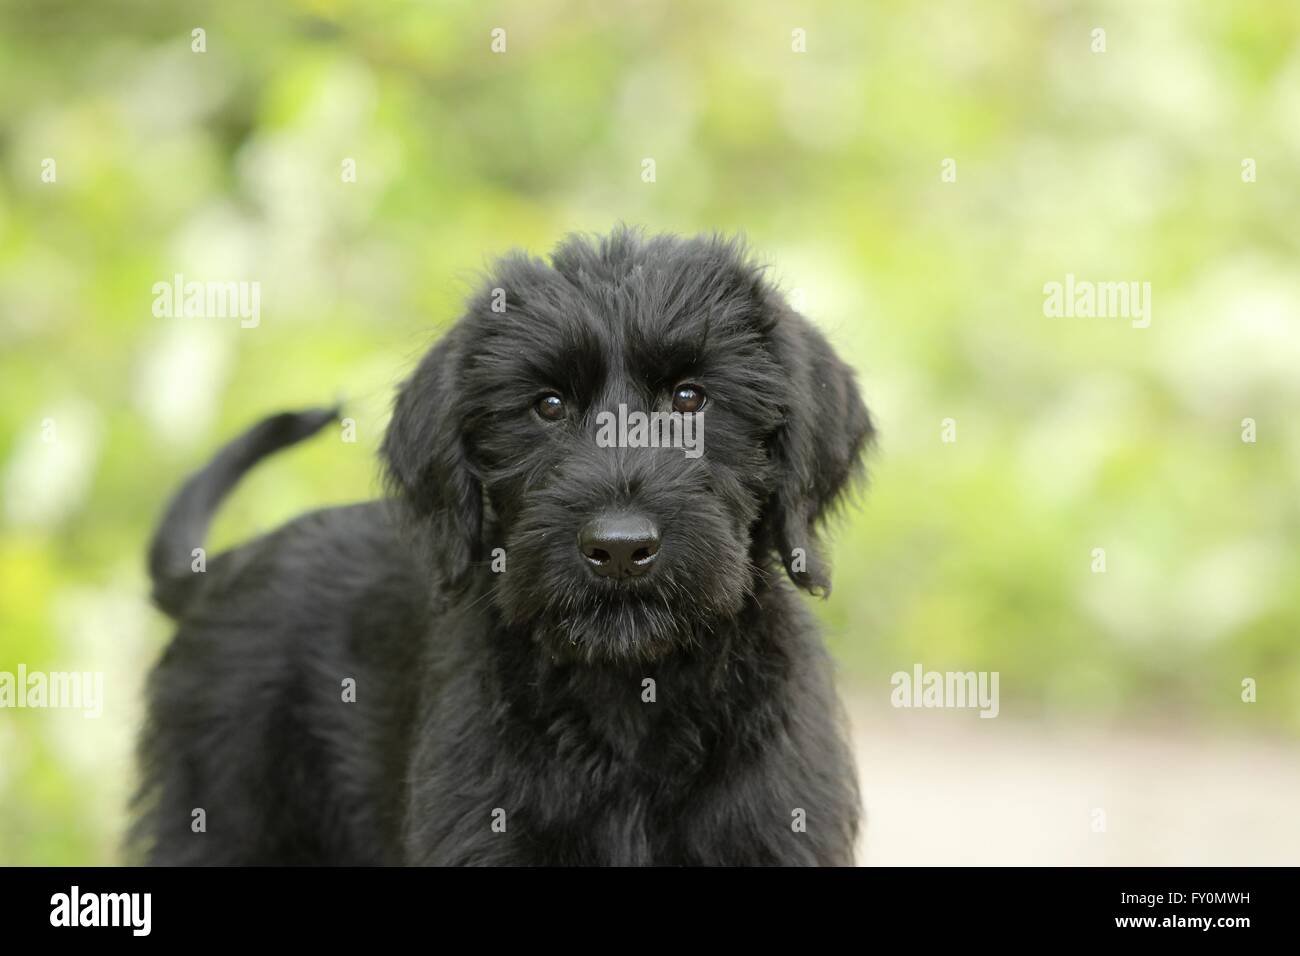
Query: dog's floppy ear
[(425, 453), (818, 449)]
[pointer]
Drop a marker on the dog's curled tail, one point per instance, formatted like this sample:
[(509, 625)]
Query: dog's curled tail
[(184, 526)]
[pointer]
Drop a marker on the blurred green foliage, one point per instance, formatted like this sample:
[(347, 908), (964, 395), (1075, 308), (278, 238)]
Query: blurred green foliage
[(1072, 434)]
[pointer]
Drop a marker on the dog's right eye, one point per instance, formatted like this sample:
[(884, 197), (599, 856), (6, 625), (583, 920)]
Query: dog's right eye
[(550, 407)]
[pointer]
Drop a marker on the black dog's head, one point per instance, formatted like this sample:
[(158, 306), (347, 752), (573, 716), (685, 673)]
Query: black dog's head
[(524, 443)]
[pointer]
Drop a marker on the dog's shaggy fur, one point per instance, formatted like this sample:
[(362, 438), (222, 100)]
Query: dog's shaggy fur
[(504, 716)]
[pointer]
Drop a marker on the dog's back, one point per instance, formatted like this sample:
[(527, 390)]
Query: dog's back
[(277, 715)]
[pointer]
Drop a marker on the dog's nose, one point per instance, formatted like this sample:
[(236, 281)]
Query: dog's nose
[(619, 546)]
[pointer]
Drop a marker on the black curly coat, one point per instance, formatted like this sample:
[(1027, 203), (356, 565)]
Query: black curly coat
[(511, 706)]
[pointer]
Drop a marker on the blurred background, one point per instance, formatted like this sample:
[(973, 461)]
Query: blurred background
[(914, 174)]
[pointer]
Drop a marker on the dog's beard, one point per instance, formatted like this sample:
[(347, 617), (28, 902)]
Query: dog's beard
[(702, 578), (619, 627)]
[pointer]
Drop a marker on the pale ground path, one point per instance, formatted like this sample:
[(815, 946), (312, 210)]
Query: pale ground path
[(945, 787)]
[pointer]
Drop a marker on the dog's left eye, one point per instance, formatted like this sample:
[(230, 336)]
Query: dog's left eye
[(550, 407), (688, 398)]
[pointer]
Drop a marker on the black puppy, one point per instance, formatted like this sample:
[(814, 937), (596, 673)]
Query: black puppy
[(546, 646)]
